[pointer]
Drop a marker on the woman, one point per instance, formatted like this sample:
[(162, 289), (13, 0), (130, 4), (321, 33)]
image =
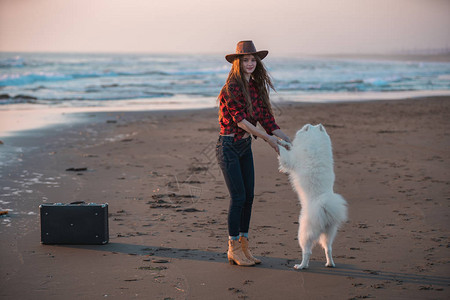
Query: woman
[(244, 101)]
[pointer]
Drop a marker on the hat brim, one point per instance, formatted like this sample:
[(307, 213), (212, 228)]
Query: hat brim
[(261, 54)]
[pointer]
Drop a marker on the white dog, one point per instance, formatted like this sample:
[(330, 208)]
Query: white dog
[(309, 163)]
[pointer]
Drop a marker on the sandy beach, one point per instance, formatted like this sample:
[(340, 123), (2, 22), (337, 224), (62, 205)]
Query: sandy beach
[(168, 205)]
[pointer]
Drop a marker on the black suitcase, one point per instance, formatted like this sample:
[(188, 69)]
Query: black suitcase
[(74, 223)]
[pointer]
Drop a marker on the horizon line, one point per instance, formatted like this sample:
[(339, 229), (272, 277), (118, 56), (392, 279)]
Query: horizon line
[(412, 52)]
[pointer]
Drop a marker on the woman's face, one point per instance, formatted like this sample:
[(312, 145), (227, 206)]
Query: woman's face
[(248, 64)]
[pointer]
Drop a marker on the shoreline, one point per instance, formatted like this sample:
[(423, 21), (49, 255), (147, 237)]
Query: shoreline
[(168, 206), (22, 117), (15, 118)]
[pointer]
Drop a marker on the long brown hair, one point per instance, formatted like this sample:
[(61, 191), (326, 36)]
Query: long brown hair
[(261, 78)]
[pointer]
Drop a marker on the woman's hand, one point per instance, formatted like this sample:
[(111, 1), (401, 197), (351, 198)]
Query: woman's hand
[(284, 138), (285, 144)]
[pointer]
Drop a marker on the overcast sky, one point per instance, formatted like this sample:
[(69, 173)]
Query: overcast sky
[(281, 26)]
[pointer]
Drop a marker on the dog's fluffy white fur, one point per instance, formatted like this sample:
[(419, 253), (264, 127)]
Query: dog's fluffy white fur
[(309, 163)]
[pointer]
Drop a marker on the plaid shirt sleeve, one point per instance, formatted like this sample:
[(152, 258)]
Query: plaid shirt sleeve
[(267, 120), (234, 103)]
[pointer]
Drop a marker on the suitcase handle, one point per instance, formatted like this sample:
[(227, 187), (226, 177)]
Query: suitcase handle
[(78, 202)]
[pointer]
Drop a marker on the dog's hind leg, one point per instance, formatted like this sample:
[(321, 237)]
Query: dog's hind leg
[(306, 240), (306, 253), (326, 240)]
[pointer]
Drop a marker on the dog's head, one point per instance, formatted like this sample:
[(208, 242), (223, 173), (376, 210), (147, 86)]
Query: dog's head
[(311, 144), (311, 138), (311, 132)]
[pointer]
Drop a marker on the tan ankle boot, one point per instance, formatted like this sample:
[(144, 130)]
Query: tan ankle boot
[(244, 243), (236, 256)]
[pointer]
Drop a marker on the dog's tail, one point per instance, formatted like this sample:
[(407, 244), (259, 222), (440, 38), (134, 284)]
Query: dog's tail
[(328, 209)]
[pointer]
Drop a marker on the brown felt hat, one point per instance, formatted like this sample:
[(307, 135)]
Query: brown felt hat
[(245, 48)]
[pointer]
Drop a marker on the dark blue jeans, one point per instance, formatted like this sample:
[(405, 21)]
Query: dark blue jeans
[(236, 161)]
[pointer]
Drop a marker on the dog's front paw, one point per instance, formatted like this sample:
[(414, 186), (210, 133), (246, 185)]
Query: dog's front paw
[(330, 265), (300, 266)]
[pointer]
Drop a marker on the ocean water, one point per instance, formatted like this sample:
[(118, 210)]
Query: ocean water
[(92, 79)]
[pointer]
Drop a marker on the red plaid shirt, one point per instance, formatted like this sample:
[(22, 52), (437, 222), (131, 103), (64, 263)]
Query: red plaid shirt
[(233, 111)]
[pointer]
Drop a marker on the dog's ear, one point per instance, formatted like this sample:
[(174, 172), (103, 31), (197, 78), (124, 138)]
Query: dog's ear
[(322, 128)]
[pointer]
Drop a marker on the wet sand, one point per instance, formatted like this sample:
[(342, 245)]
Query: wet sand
[(168, 206)]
